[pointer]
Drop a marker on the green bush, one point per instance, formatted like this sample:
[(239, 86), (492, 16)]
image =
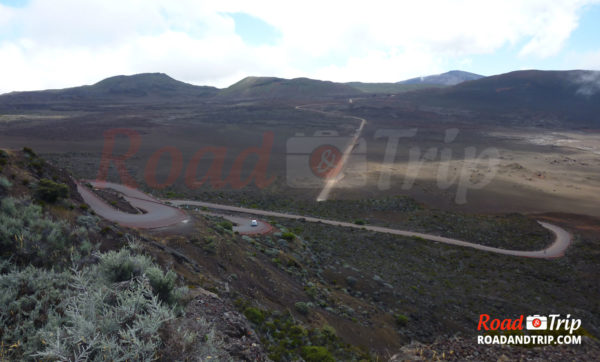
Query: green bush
[(289, 236), (301, 307), (254, 315), (401, 320), (118, 266), (317, 354), (286, 340), (227, 225), (29, 152), (360, 222), (50, 191), (162, 283)]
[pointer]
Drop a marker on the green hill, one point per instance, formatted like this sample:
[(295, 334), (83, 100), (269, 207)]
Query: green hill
[(138, 87), (279, 88)]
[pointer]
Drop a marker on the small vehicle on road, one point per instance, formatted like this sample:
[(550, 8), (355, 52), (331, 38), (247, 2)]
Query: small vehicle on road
[(253, 223)]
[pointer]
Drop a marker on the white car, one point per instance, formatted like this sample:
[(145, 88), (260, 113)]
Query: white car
[(253, 223)]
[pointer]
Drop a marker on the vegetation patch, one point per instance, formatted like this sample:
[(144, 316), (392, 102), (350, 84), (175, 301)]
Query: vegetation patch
[(227, 225), (285, 339), (28, 236), (4, 183), (289, 236), (50, 191), (85, 313)]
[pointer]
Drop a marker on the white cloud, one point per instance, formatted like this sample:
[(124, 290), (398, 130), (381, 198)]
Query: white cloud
[(589, 83), (588, 60), (62, 43)]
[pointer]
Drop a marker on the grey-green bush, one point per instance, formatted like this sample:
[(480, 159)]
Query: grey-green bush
[(83, 314), (162, 283), (28, 236), (107, 322), (118, 266), (4, 183)]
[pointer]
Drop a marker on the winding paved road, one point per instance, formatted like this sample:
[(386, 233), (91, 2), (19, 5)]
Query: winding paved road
[(160, 214), (157, 213)]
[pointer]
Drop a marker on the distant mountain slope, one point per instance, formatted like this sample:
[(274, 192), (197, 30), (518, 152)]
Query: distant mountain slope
[(279, 88), (391, 88), (116, 89), (452, 77), (158, 84), (573, 95)]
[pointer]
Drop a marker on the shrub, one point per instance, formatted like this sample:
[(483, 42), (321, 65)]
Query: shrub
[(28, 236), (37, 163), (328, 331), (80, 315), (118, 266), (27, 298), (287, 340), (227, 225), (162, 284), (301, 307), (90, 222), (50, 191), (289, 236), (210, 245), (107, 322), (29, 152), (316, 354), (86, 247), (254, 315), (360, 222), (4, 183), (401, 320)]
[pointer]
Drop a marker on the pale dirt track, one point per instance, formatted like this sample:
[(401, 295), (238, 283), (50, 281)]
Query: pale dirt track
[(159, 214), (330, 183)]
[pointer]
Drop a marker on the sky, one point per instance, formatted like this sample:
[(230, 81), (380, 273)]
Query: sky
[(62, 43)]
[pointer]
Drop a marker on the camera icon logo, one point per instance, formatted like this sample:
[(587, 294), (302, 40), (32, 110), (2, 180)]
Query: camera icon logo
[(536, 322), (325, 161), (312, 160)]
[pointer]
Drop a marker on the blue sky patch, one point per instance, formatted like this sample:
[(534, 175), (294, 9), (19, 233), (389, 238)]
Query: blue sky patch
[(15, 3), (254, 31)]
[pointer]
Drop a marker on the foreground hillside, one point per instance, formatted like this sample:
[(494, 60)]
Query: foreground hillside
[(73, 287), (307, 291)]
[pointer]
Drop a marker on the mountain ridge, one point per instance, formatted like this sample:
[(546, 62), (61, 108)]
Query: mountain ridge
[(569, 95), (137, 86), (278, 88), (450, 78), (533, 89)]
